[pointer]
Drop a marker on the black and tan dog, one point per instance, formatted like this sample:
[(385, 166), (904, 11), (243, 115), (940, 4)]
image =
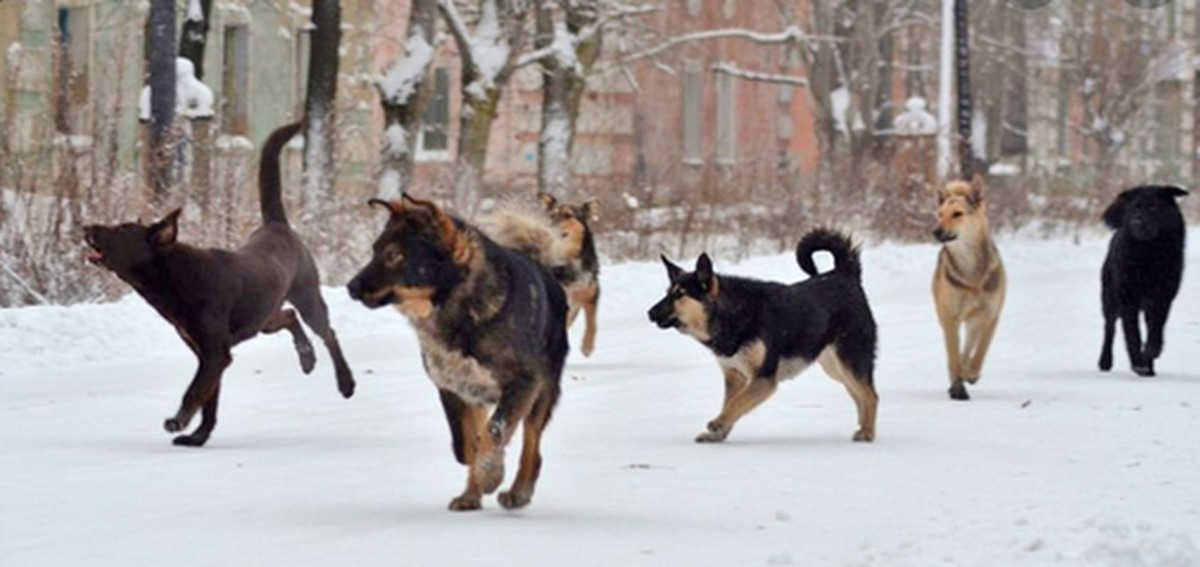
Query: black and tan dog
[(579, 271), (492, 326), (764, 332), (219, 298), (969, 283), (1142, 272)]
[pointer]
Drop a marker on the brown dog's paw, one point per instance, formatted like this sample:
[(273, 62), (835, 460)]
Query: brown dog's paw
[(308, 359), (716, 433), (346, 386), (173, 425), (513, 499), (864, 436), (488, 471), (194, 440), (465, 503), (958, 391)]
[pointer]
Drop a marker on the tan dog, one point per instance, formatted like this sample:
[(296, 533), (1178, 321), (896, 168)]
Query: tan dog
[(580, 272), (969, 282)]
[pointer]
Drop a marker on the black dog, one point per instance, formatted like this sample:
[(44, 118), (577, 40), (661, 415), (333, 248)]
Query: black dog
[(1142, 271), (764, 332), (492, 327), (216, 299)]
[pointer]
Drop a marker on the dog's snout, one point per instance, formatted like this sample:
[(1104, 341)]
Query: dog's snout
[(943, 235), (355, 289)]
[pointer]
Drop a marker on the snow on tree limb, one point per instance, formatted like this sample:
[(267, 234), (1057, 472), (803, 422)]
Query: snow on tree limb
[(401, 80), (756, 76), (790, 34)]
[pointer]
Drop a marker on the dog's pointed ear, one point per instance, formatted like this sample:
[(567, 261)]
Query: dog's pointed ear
[(393, 207), (588, 210), (942, 195), (548, 201), (673, 271), (978, 190), (704, 273), (166, 231), (1177, 191), (1114, 215), (457, 243)]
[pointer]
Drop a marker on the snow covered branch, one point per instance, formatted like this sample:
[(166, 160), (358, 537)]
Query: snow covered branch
[(733, 70), (791, 34)]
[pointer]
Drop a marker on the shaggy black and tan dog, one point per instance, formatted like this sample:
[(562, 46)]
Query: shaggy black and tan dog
[(1142, 272), (764, 332), (492, 326), (216, 298), (578, 268)]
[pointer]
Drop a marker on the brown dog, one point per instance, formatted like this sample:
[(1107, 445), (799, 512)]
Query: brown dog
[(580, 274), (216, 299), (969, 282)]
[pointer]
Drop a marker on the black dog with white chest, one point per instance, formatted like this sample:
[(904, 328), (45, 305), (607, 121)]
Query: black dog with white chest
[(1142, 272), (763, 332)]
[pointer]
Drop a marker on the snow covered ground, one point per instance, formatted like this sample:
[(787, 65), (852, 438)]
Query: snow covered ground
[(1051, 463)]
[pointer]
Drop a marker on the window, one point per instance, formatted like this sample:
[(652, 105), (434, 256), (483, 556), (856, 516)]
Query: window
[(434, 139), (726, 125), (71, 82), (691, 116), (235, 81)]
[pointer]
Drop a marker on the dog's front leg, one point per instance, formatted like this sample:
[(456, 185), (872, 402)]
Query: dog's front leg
[(741, 396), (471, 420), (208, 420), (214, 358), (516, 399), (1133, 343)]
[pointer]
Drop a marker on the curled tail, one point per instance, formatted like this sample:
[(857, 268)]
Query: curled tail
[(529, 232), (269, 176), (846, 259)]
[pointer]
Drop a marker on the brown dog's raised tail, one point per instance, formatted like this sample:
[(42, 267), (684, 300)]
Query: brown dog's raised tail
[(269, 190)]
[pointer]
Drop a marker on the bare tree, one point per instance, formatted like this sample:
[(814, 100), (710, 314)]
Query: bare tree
[(160, 56), (319, 108), (489, 54), (403, 93)]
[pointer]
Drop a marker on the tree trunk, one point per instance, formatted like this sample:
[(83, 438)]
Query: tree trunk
[(194, 37), (403, 107), (481, 94), (963, 72), (319, 107), (161, 67), (563, 87)]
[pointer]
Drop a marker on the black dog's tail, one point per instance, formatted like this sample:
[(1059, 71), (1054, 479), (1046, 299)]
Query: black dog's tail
[(845, 254), (269, 191)]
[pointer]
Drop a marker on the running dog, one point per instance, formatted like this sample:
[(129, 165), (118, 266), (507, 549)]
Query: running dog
[(491, 322), (764, 332), (969, 283), (1142, 272), (579, 272), (216, 299)]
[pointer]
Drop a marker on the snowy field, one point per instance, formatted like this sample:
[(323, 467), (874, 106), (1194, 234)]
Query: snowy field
[(1051, 463)]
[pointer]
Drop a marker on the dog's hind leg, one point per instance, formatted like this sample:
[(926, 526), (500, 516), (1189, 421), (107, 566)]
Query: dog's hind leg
[(523, 486), (286, 319), (1133, 343), (866, 400), (473, 419), (208, 420), (307, 300)]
